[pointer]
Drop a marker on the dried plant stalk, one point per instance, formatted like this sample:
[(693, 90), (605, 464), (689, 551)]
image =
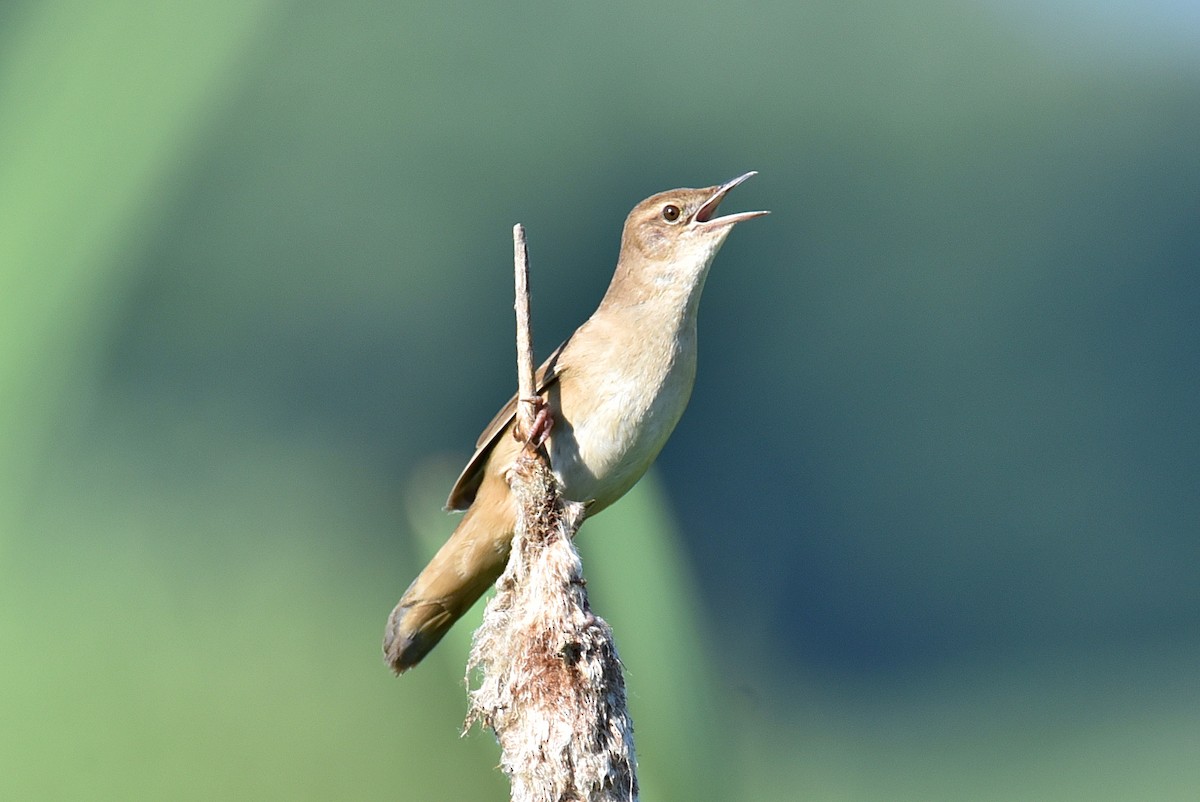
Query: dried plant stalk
[(552, 686)]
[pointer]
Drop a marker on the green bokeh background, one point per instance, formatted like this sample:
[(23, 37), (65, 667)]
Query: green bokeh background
[(928, 531)]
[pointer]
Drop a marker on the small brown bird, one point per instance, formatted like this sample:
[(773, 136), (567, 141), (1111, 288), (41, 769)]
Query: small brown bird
[(615, 391)]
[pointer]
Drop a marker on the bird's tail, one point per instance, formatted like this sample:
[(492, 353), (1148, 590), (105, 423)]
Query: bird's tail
[(466, 565)]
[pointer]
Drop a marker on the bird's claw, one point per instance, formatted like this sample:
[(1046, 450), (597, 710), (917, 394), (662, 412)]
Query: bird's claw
[(543, 422)]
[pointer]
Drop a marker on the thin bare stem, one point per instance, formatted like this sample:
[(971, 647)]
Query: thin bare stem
[(526, 405)]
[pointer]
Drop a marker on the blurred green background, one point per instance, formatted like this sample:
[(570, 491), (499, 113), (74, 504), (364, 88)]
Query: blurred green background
[(929, 530)]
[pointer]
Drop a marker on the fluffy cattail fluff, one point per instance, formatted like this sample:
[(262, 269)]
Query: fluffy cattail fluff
[(551, 684)]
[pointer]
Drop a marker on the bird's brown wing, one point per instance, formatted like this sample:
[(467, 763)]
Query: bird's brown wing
[(463, 492)]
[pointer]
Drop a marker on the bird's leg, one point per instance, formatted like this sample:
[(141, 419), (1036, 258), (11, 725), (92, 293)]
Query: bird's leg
[(539, 429), (543, 422)]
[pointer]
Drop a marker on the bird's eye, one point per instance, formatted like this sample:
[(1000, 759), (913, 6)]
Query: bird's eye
[(670, 213)]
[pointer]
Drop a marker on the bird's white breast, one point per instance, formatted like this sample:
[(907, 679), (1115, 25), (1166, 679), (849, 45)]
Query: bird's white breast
[(617, 430)]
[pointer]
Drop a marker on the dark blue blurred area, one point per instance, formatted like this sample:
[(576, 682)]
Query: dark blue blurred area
[(945, 397), (945, 414)]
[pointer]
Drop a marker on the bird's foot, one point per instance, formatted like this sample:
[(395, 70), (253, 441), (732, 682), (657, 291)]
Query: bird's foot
[(543, 422)]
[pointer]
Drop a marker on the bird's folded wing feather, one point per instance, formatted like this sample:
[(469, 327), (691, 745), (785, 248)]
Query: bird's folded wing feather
[(469, 480)]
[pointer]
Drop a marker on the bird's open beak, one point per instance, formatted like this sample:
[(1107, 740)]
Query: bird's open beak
[(704, 215)]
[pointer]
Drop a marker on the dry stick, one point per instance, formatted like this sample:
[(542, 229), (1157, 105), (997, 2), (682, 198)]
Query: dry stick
[(551, 684), (527, 400)]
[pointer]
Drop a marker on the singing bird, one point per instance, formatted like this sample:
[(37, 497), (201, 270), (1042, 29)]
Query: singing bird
[(614, 390)]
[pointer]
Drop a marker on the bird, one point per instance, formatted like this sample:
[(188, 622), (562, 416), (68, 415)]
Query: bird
[(614, 392)]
